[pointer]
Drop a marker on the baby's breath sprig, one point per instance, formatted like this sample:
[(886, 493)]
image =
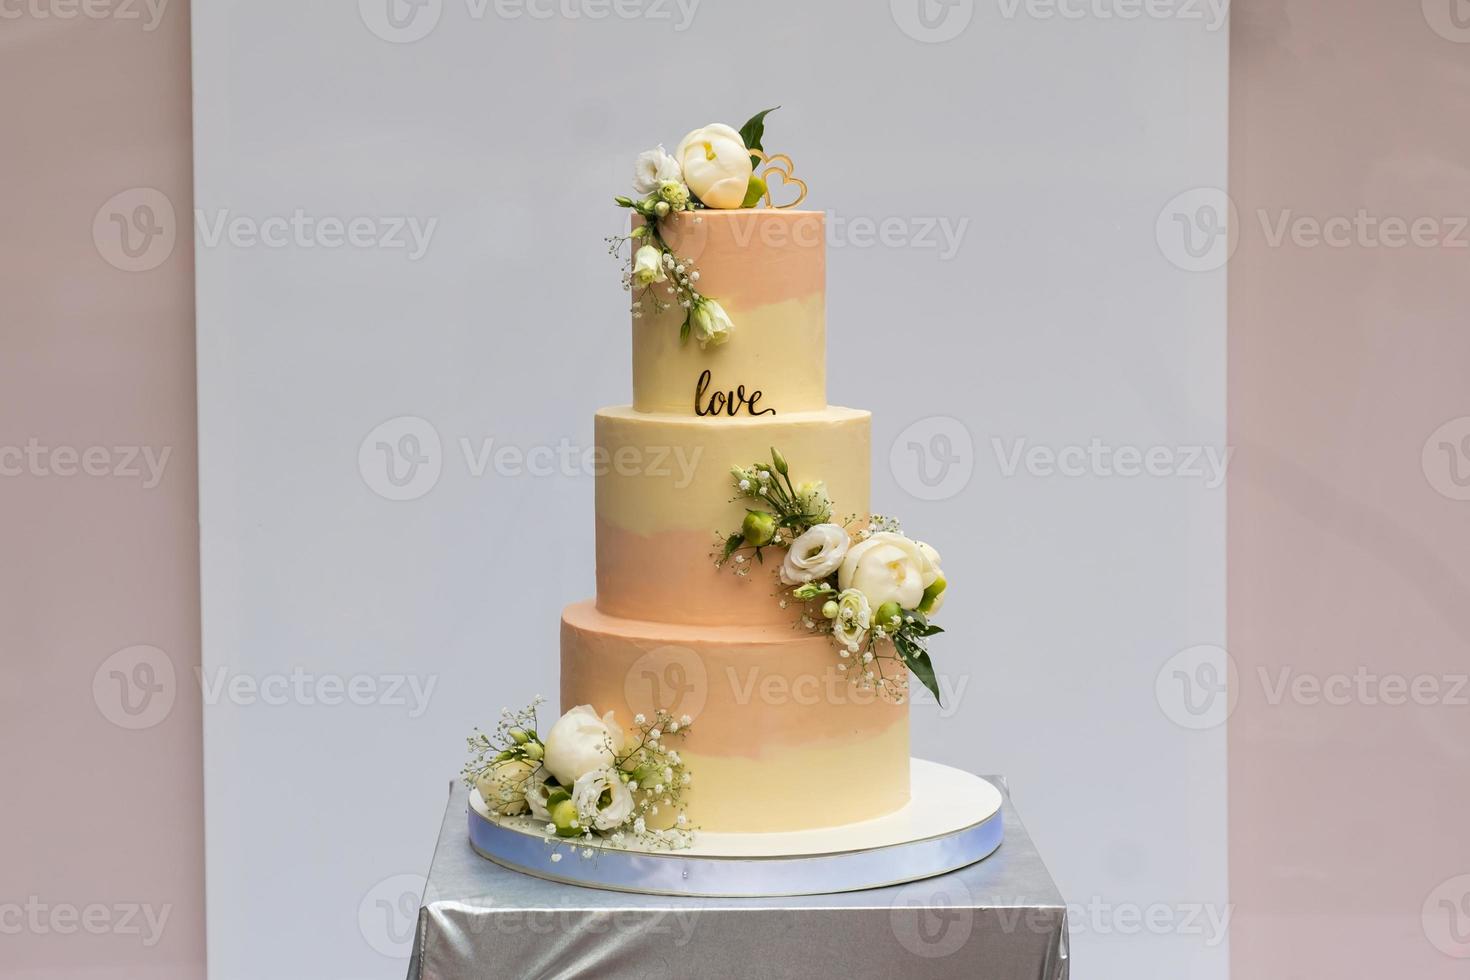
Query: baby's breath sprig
[(658, 278), (787, 511)]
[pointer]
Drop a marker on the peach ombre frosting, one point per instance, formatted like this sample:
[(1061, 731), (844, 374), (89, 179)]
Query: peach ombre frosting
[(772, 714), (768, 270)]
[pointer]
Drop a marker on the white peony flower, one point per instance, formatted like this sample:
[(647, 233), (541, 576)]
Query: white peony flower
[(710, 322), (938, 600), (888, 567), (716, 165), (503, 786), (581, 742), (648, 266), (854, 618), (587, 796), (653, 168), (815, 555)]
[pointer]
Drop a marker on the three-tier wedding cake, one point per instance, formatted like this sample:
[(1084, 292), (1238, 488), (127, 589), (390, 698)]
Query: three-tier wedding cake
[(773, 714)]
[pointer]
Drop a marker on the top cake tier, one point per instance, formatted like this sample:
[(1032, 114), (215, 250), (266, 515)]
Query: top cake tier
[(768, 269)]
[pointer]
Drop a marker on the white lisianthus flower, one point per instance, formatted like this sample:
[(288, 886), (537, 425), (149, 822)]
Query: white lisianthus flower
[(854, 619), (710, 322), (653, 168), (716, 165), (814, 501), (536, 793), (888, 567), (503, 786), (580, 742), (648, 266), (587, 797), (816, 554)]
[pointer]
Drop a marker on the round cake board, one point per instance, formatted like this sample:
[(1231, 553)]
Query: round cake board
[(953, 819)]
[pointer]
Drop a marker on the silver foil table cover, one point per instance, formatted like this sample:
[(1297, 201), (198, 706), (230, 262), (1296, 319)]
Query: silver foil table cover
[(999, 919)]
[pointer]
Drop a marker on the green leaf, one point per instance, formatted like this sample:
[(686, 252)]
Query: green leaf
[(754, 131), (733, 543), (918, 660)]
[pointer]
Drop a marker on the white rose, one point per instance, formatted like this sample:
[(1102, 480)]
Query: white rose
[(648, 266), (854, 618), (581, 742), (716, 165), (653, 168), (888, 567), (503, 786), (816, 554), (587, 795), (710, 322)]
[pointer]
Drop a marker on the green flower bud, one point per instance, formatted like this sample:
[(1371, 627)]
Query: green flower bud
[(779, 460), (932, 595), (520, 736), (661, 208), (564, 816), (829, 609), (623, 202), (674, 193), (758, 528), (887, 613), (534, 751)]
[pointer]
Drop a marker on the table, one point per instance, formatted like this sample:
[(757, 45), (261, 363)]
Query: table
[(1000, 919)]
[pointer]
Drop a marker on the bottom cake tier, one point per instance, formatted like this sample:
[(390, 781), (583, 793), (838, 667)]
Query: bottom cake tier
[(781, 739)]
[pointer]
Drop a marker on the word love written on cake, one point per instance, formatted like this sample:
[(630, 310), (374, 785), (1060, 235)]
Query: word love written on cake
[(726, 402)]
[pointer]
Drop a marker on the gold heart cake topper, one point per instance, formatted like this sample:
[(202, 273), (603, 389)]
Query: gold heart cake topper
[(778, 163)]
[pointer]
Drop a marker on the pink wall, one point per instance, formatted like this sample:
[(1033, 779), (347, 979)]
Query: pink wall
[(101, 823), (1349, 544)]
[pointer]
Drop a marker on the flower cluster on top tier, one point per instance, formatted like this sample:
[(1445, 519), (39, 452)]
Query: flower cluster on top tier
[(712, 167), (868, 585), (587, 780)]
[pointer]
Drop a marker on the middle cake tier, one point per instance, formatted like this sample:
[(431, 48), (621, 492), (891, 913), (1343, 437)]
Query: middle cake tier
[(665, 496)]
